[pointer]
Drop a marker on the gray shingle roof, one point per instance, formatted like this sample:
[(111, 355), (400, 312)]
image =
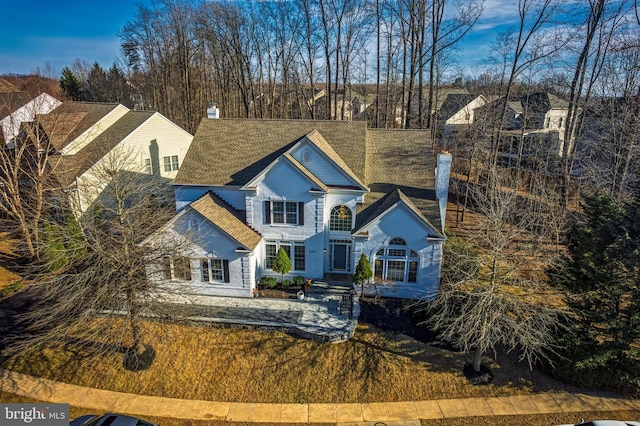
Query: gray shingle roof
[(227, 219), (234, 151), (454, 103), (69, 167), (71, 119)]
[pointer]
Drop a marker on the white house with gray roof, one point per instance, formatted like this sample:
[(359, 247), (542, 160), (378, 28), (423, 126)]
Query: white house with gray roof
[(324, 191)]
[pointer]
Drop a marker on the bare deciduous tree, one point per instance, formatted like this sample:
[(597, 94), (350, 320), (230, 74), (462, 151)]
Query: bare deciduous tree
[(96, 292), (492, 296)]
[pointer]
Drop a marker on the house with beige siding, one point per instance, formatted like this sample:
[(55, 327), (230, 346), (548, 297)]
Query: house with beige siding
[(323, 191), (85, 136)]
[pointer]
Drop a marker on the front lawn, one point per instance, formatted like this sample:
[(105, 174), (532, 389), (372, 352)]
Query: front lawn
[(199, 362)]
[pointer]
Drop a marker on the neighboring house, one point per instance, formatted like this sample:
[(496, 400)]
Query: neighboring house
[(351, 104), (533, 125), (84, 136), (457, 112), (324, 191), (19, 107)]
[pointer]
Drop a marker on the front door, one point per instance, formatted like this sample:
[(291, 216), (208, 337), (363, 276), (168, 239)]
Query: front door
[(340, 256)]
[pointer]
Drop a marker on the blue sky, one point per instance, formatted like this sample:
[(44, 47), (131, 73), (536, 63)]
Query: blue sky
[(59, 31), (35, 32)]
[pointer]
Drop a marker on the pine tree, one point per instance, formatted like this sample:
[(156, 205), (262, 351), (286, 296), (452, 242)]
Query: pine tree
[(70, 84), (281, 263), (363, 272)]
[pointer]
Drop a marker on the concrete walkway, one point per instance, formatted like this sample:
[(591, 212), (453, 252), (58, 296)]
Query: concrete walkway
[(406, 412)]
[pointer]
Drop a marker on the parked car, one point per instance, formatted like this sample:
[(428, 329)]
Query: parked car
[(109, 419), (605, 423)]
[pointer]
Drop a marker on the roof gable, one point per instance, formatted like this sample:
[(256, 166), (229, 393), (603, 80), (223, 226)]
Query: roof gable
[(318, 157), (80, 117), (69, 167), (224, 217), (454, 103), (287, 160), (394, 200)]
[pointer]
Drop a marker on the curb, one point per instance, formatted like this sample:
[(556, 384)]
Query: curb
[(143, 405)]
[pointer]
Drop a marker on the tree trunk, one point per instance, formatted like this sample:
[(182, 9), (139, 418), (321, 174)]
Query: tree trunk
[(477, 358)]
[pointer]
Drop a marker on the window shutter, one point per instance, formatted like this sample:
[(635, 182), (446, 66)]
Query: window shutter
[(300, 213), (267, 212), (225, 270)]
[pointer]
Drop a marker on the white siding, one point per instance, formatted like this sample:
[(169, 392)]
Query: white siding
[(209, 241), (170, 140), (94, 131), (460, 117), (284, 183)]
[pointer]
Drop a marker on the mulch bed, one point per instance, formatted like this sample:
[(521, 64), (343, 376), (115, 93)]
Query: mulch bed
[(393, 315)]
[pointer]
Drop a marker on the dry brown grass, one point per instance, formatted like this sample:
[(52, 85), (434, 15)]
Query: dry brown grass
[(198, 362), (6, 254)]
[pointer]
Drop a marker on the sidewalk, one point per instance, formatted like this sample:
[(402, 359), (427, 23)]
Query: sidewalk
[(102, 400)]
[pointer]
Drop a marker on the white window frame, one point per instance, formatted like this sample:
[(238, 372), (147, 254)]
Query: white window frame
[(170, 269), (209, 266), (336, 222), (290, 247), (286, 213), (148, 166), (393, 253), (171, 163)]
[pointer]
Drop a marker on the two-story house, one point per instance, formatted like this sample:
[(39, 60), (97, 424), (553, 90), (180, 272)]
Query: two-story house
[(324, 191), (84, 136), (533, 127)]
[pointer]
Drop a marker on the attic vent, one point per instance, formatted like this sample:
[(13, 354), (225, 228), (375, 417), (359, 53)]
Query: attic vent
[(306, 156)]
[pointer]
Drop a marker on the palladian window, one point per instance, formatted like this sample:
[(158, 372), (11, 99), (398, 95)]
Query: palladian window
[(341, 219), (396, 262)]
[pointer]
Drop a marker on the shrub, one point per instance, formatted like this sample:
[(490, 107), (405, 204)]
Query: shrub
[(286, 284), (281, 263), (269, 282), (298, 280)]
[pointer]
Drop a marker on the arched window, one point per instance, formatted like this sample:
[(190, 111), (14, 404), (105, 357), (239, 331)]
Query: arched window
[(396, 262), (397, 242), (340, 219)]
